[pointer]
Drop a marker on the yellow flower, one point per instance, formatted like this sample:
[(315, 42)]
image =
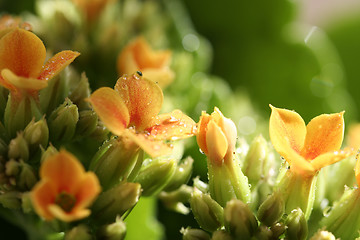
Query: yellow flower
[(65, 189), (309, 148), (131, 110), (22, 56), (216, 136), (138, 56)]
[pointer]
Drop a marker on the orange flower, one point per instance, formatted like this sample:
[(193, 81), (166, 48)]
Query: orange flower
[(216, 136), (131, 110), (8, 23), (307, 148), (92, 8), (65, 189), (22, 56), (138, 56)]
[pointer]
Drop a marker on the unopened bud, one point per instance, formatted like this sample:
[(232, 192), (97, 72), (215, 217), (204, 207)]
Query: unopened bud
[(80, 232), (51, 150), (37, 134), (18, 148), (116, 201), (239, 220), (263, 233), (81, 92), (194, 234), (207, 212), (27, 177), (11, 199), (296, 224), (115, 160), (200, 185), (181, 176), (221, 235), (113, 231), (272, 209), (87, 123), (12, 167), (62, 122), (100, 133), (154, 176), (323, 235), (175, 200), (277, 230), (26, 203)]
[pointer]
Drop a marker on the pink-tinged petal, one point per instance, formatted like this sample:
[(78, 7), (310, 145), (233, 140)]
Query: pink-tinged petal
[(110, 107), (216, 142), (287, 131), (55, 167), (329, 158), (56, 64), (59, 213), (87, 191), (201, 131), (324, 134), (152, 147), (172, 126), (143, 98), (42, 195), (22, 52), (13, 81)]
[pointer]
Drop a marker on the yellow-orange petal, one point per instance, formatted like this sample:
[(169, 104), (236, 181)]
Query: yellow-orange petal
[(87, 191), (229, 129), (110, 107), (22, 52), (172, 126), (59, 213), (216, 142), (126, 63), (201, 131), (324, 134), (357, 171), (14, 81), (56, 64), (329, 158), (287, 131), (162, 76), (42, 195), (142, 97), (63, 170), (150, 146)]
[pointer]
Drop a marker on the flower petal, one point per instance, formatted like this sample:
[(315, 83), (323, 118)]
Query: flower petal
[(172, 126), (324, 134), (152, 147), (22, 52), (42, 195), (357, 171), (287, 131), (56, 64), (63, 170), (59, 213), (111, 109), (143, 98), (162, 76), (329, 158), (216, 142), (201, 131), (87, 191), (11, 81)]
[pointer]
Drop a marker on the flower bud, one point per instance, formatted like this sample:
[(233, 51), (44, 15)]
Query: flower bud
[(344, 219), (113, 231), (62, 122), (10, 199), (323, 235), (80, 232), (200, 185), (239, 220), (296, 224), (221, 235), (181, 176), (154, 176), (81, 92), (37, 134), (194, 234), (272, 209), (12, 168), (207, 212), (88, 121), (116, 201), (51, 150), (27, 177), (254, 166), (175, 200), (115, 160), (100, 133), (263, 233), (18, 148), (277, 230), (19, 112)]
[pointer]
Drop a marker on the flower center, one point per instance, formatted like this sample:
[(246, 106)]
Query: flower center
[(66, 201)]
